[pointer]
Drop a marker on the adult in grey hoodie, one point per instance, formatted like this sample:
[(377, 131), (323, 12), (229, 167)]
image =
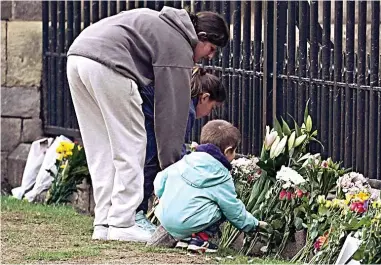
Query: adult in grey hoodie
[(107, 63)]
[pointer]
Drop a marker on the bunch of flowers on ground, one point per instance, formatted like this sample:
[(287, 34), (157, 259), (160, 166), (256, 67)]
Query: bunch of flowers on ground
[(353, 215), (71, 170), (282, 185), (353, 183)]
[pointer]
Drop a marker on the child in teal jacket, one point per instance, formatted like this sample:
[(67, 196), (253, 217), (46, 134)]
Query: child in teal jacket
[(198, 192)]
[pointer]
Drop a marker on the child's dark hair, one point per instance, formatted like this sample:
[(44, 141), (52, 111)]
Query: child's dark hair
[(220, 133), (213, 25), (203, 82)]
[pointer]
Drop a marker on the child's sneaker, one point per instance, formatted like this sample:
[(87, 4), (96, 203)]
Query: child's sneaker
[(161, 238), (199, 243), (183, 244)]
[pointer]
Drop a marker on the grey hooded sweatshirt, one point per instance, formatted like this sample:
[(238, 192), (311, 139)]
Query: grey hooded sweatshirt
[(149, 46)]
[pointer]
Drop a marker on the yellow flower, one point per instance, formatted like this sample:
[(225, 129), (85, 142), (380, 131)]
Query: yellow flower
[(342, 204), (335, 203), (321, 199), (65, 146), (68, 153), (362, 196), (328, 204), (376, 219), (63, 166), (59, 149), (348, 198), (376, 204)]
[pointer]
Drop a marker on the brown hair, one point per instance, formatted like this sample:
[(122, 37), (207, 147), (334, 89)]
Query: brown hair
[(213, 25), (220, 133), (203, 82)]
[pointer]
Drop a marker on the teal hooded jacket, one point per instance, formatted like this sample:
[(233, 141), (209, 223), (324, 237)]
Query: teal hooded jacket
[(196, 192)]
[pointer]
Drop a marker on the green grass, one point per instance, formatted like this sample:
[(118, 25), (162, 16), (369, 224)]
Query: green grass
[(63, 254), (35, 233)]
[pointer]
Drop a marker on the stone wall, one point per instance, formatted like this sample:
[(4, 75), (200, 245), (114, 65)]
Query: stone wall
[(21, 72)]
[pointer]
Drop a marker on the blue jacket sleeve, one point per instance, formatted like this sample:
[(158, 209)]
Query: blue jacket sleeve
[(159, 183), (232, 208), (191, 121)]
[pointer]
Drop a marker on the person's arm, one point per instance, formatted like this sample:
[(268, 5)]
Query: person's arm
[(172, 98), (190, 123), (233, 209)]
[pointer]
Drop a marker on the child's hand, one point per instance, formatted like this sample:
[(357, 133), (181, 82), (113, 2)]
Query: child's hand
[(193, 146), (263, 225)]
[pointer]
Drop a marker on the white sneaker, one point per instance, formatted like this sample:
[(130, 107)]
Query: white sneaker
[(100, 232), (133, 233)]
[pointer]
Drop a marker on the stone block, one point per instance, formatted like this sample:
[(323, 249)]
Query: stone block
[(24, 49), (4, 158), (20, 102), (3, 50), (295, 245), (16, 164), (375, 183), (10, 133), (82, 199), (27, 10), (31, 130), (6, 10)]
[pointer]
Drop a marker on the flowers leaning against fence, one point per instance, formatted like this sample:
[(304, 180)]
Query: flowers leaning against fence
[(71, 170), (282, 146), (352, 213)]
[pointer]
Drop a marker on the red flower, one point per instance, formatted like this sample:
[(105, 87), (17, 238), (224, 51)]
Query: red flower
[(259, 172), (320, 242), (357, 207), (289, 195), (282, 195), (299, 193)]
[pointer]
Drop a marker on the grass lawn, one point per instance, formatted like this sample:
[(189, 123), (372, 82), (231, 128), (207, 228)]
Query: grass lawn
[(35, 233)]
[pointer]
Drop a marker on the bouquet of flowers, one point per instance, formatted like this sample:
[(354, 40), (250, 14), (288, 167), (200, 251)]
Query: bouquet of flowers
[(353, 212), (71, 170), (353, 183), (356, 215), (245, 173)]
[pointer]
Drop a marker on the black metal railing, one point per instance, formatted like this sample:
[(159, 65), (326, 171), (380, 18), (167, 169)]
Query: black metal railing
[(280, 55)]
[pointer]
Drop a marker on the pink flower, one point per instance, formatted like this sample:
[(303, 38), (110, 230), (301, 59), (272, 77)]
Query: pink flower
[(357, 207), (289, 196), (282, 195), (324, 164), (299, 193), (320, 242)]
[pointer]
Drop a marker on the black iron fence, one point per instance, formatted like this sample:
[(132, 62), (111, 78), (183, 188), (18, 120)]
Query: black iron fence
[(280, 55)]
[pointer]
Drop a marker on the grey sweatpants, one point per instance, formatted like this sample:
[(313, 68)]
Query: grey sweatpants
[(110, 117)]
